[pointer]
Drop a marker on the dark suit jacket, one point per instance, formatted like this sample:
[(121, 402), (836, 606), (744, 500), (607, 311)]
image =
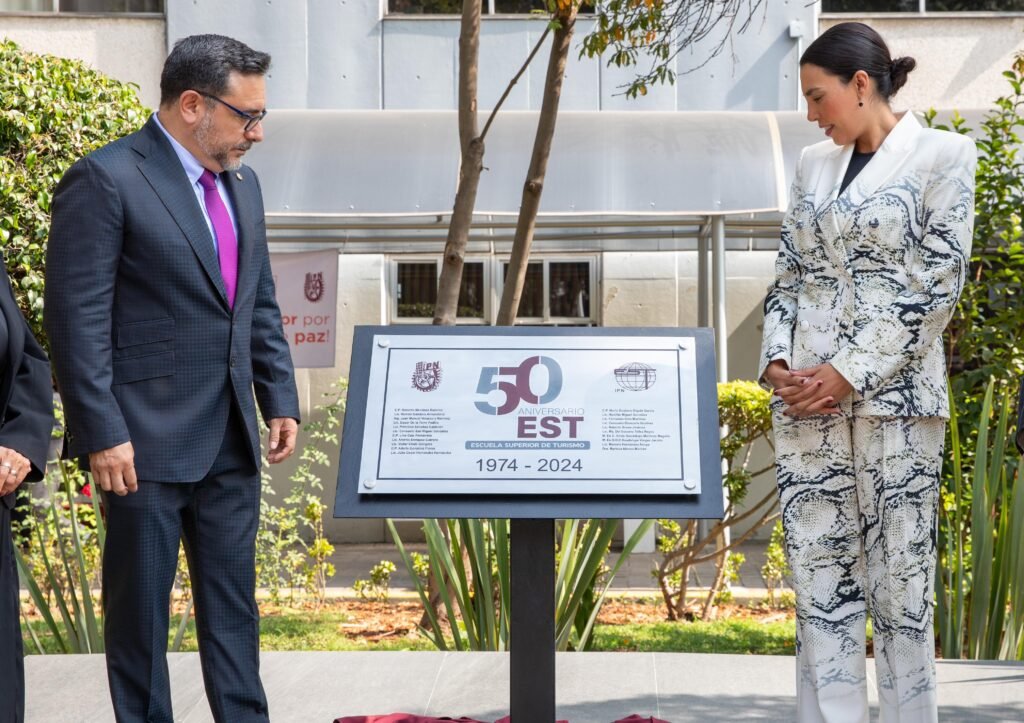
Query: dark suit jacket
[(144, 345), (26, 391), (26, 421)]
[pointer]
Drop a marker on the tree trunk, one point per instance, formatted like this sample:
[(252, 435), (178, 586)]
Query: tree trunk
[(472, 145), (534, 186), (716, 586), (447, 306)]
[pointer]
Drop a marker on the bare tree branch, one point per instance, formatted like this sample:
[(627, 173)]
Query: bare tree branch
[(512, 83)]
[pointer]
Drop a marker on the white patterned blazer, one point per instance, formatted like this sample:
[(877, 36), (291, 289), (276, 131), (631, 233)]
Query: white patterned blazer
[(867, 279)]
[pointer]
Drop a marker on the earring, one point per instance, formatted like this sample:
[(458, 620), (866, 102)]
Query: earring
[(860, 103)]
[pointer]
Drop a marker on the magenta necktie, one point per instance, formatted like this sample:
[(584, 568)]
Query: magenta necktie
[(227, 244)]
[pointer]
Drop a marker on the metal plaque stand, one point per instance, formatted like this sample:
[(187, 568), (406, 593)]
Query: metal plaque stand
[(533, 511)]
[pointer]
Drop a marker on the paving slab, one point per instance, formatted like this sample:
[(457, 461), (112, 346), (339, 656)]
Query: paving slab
[(316, 687)]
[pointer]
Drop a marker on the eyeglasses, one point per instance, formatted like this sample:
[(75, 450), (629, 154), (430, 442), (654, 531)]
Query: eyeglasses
[(251, 119)]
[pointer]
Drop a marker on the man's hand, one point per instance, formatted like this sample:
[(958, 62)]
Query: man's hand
[(283, 431), (114, 469), (14, 468), (822, 389)]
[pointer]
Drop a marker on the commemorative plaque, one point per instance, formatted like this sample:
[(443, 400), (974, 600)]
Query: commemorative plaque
[(528, 415), (530, 422)]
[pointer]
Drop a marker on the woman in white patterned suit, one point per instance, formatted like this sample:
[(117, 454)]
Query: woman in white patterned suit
[(871, 263)]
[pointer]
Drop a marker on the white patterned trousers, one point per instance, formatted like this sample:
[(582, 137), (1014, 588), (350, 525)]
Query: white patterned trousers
[(859, 502)]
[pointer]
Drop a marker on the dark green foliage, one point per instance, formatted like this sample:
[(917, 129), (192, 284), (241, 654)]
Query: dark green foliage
[(983, 339), (53, 111), (979, 572)]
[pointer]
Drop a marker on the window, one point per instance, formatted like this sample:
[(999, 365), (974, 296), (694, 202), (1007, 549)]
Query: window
[(920, 6), (415, 291), (556, 291), (83, 6), (454, 7)]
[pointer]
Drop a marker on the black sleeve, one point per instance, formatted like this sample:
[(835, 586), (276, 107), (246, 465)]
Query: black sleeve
[(28, 421)]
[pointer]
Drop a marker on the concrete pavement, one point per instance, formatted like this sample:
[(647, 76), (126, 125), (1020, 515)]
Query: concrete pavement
[(592, 687)]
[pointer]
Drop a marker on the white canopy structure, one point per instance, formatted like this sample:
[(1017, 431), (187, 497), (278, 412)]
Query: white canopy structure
[(374, 180), (393, 165)]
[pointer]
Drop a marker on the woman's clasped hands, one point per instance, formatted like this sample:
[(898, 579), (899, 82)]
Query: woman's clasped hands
[(808, 392)]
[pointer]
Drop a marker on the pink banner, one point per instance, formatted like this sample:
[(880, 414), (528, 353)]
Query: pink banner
[(307, 292)]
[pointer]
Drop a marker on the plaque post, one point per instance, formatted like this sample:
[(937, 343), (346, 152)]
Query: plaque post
[(532, 633)]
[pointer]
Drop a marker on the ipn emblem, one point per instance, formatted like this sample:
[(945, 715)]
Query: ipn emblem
[(427, 376)]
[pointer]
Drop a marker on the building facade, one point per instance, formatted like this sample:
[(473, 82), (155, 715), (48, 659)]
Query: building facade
[(399, 58)]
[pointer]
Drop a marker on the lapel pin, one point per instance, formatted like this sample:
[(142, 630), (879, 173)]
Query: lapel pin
[(239, 176)]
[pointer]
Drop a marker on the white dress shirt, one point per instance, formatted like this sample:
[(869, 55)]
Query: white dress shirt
[(194, 169)]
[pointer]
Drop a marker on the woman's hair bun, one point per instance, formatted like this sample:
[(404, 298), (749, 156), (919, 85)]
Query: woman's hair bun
[(898, 71)]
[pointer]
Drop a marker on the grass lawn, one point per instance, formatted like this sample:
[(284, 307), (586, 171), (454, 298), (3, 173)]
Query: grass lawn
[(326, 630), (719, 636), (353, 625)]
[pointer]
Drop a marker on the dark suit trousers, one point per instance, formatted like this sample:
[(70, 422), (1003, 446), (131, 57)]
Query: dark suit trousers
[(216, 518), (12, 662)]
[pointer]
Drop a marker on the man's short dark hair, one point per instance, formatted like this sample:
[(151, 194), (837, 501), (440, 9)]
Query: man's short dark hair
[(205, 62)]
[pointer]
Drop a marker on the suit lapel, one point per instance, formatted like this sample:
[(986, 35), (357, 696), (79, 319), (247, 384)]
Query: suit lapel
[(890, 156), (835, 211), (826, 190), (830, 177), (163, 171), (240, 185)]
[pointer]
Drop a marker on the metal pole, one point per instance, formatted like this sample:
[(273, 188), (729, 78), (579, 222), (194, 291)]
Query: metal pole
[(532, 642), (718, 270), (702, 275), (721, 330)]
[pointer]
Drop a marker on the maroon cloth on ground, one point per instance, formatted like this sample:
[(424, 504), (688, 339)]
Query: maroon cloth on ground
[(401, 718), (641, 719)]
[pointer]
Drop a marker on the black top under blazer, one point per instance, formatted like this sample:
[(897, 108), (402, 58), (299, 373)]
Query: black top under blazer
[(144, 345)]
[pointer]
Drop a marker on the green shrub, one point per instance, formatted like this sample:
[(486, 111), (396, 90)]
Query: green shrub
[(378, 587), (469, 580), (980, 571), (730, 576), (292, 551), (983, 338), (53, 111), (743, 409), (776, 567), (977, 614)]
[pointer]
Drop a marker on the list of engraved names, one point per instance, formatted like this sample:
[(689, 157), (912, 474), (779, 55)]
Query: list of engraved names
[(419, 431)]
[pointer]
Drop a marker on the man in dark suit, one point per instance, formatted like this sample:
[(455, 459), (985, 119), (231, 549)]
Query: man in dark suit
[(26, 421), (162, 320)]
